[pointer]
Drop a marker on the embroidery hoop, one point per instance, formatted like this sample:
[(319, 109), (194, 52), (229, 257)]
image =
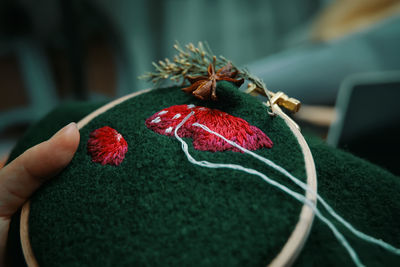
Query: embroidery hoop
[(297, 238)]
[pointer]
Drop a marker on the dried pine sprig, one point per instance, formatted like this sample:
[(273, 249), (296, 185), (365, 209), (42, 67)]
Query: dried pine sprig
[(245, 74), (190, 60), (194, 61)]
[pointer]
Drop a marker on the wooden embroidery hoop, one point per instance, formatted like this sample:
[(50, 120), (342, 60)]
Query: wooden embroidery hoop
[(297, 238)]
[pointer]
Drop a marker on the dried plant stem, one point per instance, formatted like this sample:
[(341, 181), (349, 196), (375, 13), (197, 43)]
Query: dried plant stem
[(194, 61)]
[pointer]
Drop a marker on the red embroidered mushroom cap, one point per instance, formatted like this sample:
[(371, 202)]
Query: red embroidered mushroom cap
[(107, 146), (231, 127)]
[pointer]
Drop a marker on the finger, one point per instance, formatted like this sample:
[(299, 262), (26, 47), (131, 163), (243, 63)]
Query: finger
[(20, 178)]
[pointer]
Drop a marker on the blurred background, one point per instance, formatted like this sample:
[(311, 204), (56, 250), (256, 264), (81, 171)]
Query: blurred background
[(340, 58)]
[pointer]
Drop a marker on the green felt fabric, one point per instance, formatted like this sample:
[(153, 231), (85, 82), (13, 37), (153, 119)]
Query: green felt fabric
[(158, 209)]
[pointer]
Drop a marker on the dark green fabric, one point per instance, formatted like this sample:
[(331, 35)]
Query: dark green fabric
[(365, 195), (163, 210)]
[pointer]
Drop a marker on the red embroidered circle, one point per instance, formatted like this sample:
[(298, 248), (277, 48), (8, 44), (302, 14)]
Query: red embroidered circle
[(107, 146)]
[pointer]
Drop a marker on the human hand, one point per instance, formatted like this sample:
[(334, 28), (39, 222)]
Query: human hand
[(24, 175)]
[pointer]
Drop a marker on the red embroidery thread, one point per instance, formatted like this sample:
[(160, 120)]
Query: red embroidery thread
[(107, 146), (233, 128)]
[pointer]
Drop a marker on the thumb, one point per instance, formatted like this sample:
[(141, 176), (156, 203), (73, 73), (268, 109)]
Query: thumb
[(23, 176)]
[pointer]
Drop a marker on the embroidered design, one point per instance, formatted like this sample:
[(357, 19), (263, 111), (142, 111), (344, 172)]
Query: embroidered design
[(235, 129), (107, 146)]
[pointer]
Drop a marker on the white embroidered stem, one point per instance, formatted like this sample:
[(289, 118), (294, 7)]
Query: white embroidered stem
[(304, 186), (295, 195)]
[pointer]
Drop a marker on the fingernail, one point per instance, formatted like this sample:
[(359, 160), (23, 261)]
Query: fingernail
[(66, 129)]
